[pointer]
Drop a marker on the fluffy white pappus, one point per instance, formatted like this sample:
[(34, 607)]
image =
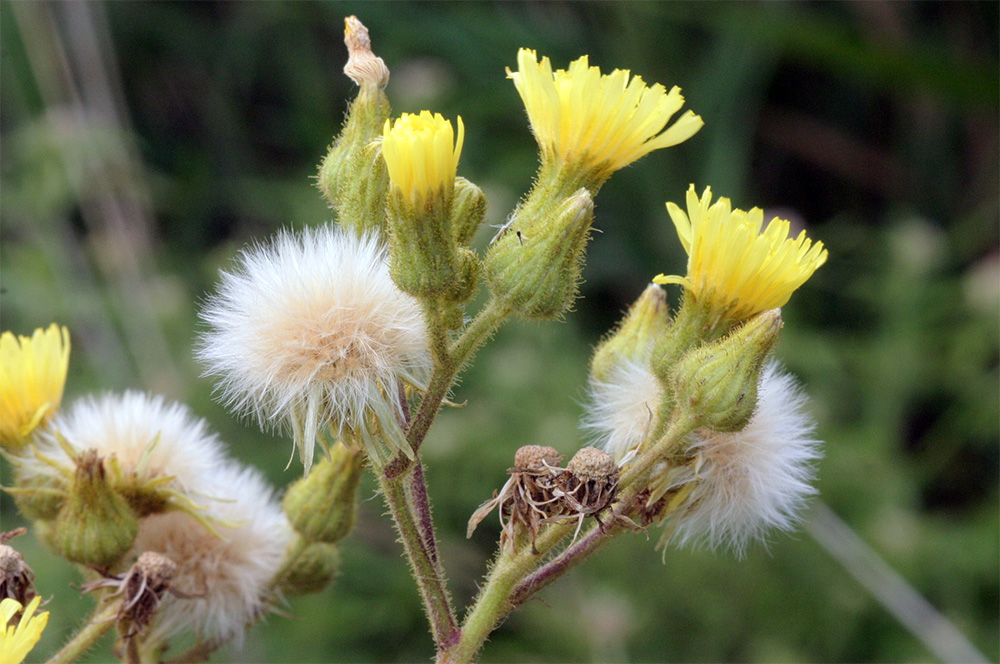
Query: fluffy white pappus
[(754, 480), (621, 409), (308, 327), (225, 574), (150, 438)]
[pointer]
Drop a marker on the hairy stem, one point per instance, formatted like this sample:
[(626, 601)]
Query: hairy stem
[(495, 600), (459, 353), (421, 551), (100, 622), (572, 556)]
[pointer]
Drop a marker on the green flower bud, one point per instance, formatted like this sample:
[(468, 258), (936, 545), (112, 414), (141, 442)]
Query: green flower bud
[(322, 506), (468, 209), (309, 567), (646, 320), (534, 265), (96, 526), (717, 382), (352, 176)]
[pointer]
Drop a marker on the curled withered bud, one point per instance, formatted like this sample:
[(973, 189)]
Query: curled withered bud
[(363, 66), (15, 576), (141, 590), (528, 498)]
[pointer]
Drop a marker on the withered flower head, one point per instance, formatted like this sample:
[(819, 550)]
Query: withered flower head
[(141, 590), (528, 497), (15, 576)]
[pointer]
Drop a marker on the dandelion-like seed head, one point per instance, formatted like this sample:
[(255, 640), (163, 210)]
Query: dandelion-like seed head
[(735, 269), (155, 451), (421, 154), (622, 407), (222, 572), (597, 123), (32, 376), (310, 330), (746, 483)]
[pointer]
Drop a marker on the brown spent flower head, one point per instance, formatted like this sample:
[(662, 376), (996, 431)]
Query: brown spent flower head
[(536, 457), (588, 486), (15, 576), (141, 590), (528, 498), (592, 463)]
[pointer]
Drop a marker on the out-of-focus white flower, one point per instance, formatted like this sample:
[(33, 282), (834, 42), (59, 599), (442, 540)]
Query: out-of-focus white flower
[(225, 573), (310, 329), (745, 483), (622, 406)]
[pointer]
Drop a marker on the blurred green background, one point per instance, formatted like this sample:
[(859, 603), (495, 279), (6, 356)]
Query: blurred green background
[(144, 143)]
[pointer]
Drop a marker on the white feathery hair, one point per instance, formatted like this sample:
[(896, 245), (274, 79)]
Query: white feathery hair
[(753, 480), (150, 438), (309, 328), (622, 407), (226, 573)]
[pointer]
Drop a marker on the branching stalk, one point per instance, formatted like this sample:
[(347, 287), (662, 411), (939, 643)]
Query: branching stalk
[(422, 554)]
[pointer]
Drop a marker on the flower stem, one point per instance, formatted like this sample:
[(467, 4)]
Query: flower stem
[(100, 622), (496, 600), (418, 543), (572, 556), (459, 353)]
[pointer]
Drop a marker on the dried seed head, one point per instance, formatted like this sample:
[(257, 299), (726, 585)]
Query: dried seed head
[(141, 589), (536, 457), (592, 463), (15, 575)]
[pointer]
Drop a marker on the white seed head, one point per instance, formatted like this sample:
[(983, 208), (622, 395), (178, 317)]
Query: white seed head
[(756, 479), (310, 328), (622, 407), (225, 574), (150, 439)]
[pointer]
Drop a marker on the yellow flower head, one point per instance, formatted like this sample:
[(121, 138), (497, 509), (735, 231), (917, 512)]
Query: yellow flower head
[(421, 153), (16, 641), (598, 123), (32, 377), (734, 269)]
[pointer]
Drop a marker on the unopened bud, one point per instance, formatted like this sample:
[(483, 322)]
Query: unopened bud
[(309, 568), (322, 506), (534, 265), (646, 320), (468, 209), (96, 526), (717, 382)]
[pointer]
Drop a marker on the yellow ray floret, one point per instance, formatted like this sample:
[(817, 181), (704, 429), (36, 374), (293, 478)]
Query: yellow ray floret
[(734, 269), (601, 122), (421, 153), (32, 376), (16, 641)]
